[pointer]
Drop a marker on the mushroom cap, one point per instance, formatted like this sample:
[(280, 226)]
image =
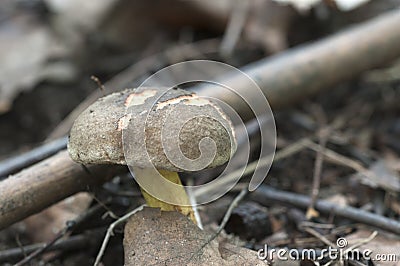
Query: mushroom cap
[(154, 126)]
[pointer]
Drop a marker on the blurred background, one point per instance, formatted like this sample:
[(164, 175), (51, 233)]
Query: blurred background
[(58, 56), (49, 49)]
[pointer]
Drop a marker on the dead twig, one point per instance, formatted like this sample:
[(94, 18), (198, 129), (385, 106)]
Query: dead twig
[(72, 243), (225, 220), (264, 195), (235, 27), (228, 213), (341, 160), (110, 232), (250, 168), (362, 242), (321, 237), (39, 251), (323, 138)]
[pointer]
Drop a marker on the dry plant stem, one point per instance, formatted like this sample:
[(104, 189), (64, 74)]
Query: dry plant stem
[(362, 242), (284, 153), (265, 195), (341, 160), (225, 220), (228, 213), (110, 232), (235, 27), (323, 138), (46, 183), (290, 150), (319, 236), (72, 243), (98, 82)]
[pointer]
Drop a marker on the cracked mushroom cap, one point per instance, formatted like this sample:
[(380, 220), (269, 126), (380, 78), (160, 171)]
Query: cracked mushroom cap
[(159, 117)]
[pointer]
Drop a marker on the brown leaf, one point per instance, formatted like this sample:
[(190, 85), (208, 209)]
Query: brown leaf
[(153, 237), (388, 178), (44, 226)]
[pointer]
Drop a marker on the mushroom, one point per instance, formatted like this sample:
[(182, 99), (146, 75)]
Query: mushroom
[(157, 132)]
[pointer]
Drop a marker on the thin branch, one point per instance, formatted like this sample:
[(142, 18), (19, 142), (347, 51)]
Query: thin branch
[(342, 160), (69, 228), (265, 195), (225, 220), (72, 243), (323, 138), (235, 27), (362, 242), (41, 250), (110, 232), (322, 238), (20, 161), (228, 213), (250, 168)]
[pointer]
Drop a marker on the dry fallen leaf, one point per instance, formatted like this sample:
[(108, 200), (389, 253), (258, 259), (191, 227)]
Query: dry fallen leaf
[(268, 25), (44, 226), (24, 48), (153, 237), (388, 179)]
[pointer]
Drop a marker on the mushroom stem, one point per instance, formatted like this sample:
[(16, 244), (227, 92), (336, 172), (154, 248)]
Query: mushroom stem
[(180, 195)]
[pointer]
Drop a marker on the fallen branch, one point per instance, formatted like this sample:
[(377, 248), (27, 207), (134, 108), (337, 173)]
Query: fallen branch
[(291, 75), (265, 194), (46, 183), (20, 161), (300, 72)]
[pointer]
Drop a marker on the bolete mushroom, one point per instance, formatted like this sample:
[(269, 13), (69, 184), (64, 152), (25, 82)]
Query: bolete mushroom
[(171, 130)]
